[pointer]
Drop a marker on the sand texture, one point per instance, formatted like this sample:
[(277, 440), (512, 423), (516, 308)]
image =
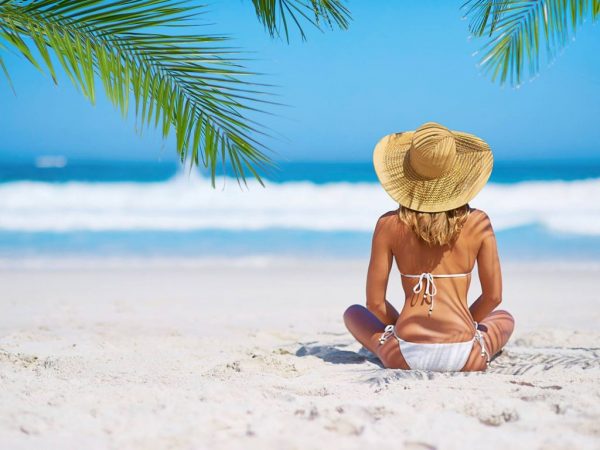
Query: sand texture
[(254, 355)]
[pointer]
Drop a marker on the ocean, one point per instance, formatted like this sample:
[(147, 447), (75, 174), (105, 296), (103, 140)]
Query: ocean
[(54, 207)]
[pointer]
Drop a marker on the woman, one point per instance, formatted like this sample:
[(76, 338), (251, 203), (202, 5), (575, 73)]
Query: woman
[(435, 239)]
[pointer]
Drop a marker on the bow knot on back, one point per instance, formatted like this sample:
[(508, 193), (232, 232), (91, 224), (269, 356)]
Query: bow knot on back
[(426, 279)]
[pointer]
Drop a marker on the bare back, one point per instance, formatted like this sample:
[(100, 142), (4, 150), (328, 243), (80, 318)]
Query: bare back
[(451, 320)]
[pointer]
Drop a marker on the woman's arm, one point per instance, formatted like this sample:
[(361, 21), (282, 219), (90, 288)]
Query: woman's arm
[(490, 277), (378, 275)]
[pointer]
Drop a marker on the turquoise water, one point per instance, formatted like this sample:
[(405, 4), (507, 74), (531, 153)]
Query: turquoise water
[(524, 244), (540, 211)]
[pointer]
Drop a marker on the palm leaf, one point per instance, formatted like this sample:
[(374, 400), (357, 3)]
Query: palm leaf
[(191, 85), (276, 15), (516, 29)]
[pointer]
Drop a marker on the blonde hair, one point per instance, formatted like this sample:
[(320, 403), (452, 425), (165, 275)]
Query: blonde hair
[(438, 228)]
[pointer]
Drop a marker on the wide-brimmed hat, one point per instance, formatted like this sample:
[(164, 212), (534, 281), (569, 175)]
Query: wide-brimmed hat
[(432, 169)]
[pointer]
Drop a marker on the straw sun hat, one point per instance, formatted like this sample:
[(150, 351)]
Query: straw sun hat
[(432, 169)]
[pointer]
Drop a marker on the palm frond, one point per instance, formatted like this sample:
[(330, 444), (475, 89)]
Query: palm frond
[(517, 29), (277, 15), (5, 69), (190, 84)]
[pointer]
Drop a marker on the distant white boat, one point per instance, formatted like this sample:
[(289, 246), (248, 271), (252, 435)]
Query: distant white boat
[(50, 162)]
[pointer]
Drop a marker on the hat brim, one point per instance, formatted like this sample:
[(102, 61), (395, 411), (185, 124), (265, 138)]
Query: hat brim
[(470, 171)]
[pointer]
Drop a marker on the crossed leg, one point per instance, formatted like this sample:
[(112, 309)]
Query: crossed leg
[(366, 329), (497, 328)]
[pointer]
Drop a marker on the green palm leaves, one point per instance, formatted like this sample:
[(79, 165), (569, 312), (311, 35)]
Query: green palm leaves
[(275, 15), (139, 50), (518, 28), (187, 83)]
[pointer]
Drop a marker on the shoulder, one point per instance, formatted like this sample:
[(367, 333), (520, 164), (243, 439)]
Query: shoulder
[(387, 226), (390, 218), (479, 216), (480, 223)]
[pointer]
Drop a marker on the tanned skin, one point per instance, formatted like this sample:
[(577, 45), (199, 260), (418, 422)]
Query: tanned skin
[(452, 319)]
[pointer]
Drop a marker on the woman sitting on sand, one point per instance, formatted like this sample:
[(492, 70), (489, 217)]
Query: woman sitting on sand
[(435, 239)]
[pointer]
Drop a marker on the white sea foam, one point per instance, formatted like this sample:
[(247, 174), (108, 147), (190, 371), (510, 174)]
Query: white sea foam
[(189, 203)]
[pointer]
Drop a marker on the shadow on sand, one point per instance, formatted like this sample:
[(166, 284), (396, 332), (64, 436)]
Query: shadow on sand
[(336, 355)]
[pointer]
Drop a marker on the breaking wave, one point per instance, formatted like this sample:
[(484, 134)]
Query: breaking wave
[(189, 203)]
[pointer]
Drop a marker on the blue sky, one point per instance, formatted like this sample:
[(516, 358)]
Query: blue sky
[(399, 65)]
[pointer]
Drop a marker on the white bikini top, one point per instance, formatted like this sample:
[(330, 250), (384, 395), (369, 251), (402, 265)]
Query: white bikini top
[(430, 289)]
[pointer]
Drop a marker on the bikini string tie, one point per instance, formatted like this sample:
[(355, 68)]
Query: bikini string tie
[(389, 330), (430, 289), (479, 338)]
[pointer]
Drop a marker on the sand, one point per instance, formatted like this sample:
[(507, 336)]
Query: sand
[(252, 354)]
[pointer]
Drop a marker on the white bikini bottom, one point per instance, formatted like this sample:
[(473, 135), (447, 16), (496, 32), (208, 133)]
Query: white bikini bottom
[(444, 357)]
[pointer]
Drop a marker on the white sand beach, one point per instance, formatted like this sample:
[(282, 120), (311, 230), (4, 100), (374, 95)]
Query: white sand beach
[(254, 355)]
